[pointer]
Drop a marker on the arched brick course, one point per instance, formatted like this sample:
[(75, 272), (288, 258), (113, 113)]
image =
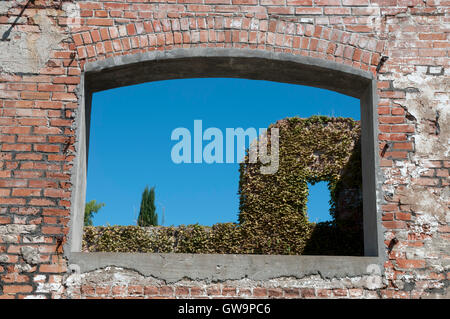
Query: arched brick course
[(277, 35)]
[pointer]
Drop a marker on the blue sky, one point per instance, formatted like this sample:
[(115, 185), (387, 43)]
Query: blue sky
[(130, 144)]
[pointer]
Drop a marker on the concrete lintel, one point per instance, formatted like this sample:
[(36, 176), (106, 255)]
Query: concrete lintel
[(226, 62), (178, 53), (218, 267)]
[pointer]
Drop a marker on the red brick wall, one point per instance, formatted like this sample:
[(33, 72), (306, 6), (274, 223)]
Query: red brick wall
[(38, 101)]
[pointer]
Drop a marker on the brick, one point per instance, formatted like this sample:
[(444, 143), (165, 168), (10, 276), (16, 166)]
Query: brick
[(5, 174), (398, 111), (291, 292), (13, 183), (32, 121), (16, 147), (60, 96), (181, 291), (274, 292), (406, 128), (442, 173), (99, 22), (166, 290), (402, 216), (15, 278), (410, 263), (432, 164), (340, 292), (66, 80), (337, 11), (391, 119), (5, 220), (118, 290), (90, 5), (356, 292), (101, 14), (425, 181), (259, 292), (353, 3), (87, 290), (60, 122), (244, 292), (44, 87), (31, 139), (35, 95), (46, 148), (104, 34), (25, 192), (308, 11), (19, 104), (404, 146), (151, 290), (397, 137), (57, 193), (394, 224), (197, 291), (52, 230), (392, 94), (102, 290), (307, 292), (135, 290), (14, 289), (213, 291), (324, 293), (16, 130), (131, 30), (229, 291)]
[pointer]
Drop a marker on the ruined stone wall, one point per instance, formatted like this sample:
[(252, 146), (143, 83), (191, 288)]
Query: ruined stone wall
[(44, 45)]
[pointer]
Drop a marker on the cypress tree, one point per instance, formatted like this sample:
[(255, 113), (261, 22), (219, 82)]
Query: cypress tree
[(147, 213)]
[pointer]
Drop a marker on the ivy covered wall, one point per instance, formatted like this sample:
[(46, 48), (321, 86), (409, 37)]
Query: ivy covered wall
[(273, 216)]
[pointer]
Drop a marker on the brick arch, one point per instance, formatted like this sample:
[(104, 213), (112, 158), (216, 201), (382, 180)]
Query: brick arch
[(273, 34)]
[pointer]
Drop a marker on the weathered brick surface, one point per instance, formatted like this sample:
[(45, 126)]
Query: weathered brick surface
[(38, 102)]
